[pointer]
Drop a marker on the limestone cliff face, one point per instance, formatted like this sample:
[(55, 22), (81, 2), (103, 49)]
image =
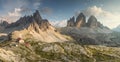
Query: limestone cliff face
[(71, 22), (80, 20), (92, 22), (3, 25)]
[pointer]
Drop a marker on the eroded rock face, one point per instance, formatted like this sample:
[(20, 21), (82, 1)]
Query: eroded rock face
[(93, 23), (36, 28), (4, 24), (80, 20), (71, 22), (44, 25), (35, 19)]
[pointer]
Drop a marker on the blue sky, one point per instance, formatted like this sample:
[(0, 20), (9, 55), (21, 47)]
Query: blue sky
[(106, 11)]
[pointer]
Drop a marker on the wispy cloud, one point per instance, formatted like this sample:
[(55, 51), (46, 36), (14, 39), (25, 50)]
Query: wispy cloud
[(62, 23), (46, 10), (15, 9), (16, 12)]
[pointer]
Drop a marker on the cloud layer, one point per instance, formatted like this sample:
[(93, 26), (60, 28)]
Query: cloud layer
[(62, 23)]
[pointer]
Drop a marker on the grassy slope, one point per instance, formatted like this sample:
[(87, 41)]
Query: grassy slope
[(63, 52)]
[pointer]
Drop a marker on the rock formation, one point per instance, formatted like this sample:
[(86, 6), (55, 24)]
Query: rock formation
[(4, 24), (71, 22), (26, 21), (80, 20), (36, 28), (93, 23)]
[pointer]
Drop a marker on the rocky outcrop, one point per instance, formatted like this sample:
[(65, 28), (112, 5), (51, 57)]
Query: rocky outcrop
[(93, 23), (44, 25), (4, 24), (71, 22), (36, 28), (37, 17), (26, 21), (80, 20)]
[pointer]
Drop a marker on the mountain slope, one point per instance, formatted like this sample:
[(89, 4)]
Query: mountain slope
[(34, 27), (58, 52), (88, 32)]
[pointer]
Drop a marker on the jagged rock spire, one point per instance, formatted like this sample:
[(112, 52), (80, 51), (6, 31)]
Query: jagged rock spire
[(80, 20), (92, 22), (37, 16), (71, 22)]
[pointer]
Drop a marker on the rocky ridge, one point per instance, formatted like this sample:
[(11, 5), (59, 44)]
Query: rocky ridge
[(3, 24), (34, 27)]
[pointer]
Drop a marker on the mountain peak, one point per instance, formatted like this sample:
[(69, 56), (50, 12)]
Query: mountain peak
[(80, 20), (71, 22), (93, 23), (81, 14), (37, 16)]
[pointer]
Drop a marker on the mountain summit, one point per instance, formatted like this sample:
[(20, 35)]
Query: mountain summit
[(34, 27), (81, 22)]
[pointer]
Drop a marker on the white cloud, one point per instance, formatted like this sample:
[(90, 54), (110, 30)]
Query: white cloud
[(93, 11), (15, 9), (106, 17), (16, 12), (12, 16), (36, 5), (62, 23)]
